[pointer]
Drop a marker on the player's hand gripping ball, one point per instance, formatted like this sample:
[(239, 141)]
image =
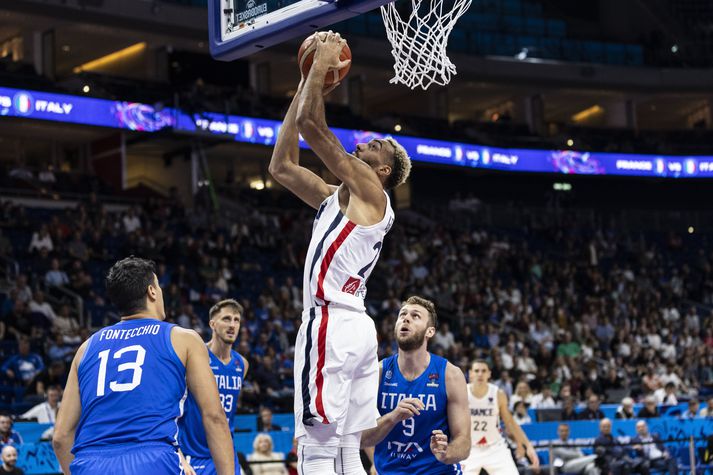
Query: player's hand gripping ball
[(305, 56)]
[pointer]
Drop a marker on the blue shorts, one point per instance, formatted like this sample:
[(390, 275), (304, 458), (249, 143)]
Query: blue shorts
[(156, 459), (207, 467)]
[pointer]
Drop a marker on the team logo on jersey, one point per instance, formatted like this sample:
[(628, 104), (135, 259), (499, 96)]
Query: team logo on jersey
[(404, 450), (351, 286), (490, 400), (432, 380), (483, 441), (389, 374)]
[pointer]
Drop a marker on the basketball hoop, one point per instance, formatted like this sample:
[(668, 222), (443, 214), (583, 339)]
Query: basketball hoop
[(419, 42)]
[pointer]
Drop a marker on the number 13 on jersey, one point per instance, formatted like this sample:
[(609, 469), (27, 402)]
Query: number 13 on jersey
[(134, 366)]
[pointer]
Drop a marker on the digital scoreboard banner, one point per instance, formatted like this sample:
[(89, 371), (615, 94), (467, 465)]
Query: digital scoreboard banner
[(146, 118)]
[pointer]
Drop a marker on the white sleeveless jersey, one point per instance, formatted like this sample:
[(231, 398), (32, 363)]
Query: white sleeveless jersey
[(341, 256), (485, 418)]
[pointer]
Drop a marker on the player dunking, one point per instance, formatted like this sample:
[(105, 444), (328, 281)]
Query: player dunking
[(423, 401), (488, 404), (336, 366), (229, 369), (127, 385)]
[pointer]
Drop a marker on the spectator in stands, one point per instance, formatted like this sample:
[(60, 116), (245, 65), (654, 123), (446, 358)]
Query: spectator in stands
[(569, 412), (65, 324), (24, 292), (77, 248), (612, 456), (8, 436), (708, 411), (520, 413), (24, 366), (569, 347), (572, 459), (46, 412), (9, 461), (651, 380), (264, 422), (56, 277), (262, 446), (505, 383), (526, 364), (626, 410), (522, 393), (41, 240), (592, 412), (131, 221), (650, 409), (667, 395), (444, 338), (53, 375), (650, 448), (60, 350), (544, 399), (694, 409), (46, 175), (38, 305)]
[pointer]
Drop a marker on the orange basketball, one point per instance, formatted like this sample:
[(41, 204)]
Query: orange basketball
[(305, 56)]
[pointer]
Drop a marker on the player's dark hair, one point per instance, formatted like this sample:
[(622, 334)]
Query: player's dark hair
[(427, 304), (229, 303), (126, 284), (480, 361)]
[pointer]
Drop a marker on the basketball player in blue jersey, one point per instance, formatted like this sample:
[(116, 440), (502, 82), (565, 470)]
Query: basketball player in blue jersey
[(229, 369), (336, 367), (127, 386), (424, 424)]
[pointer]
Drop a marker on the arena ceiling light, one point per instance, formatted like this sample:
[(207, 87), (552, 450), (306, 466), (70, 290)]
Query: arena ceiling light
[(587, 114), (112, 58)]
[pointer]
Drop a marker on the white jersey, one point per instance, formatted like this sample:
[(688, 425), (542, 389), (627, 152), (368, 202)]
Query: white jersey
[(485, 418), (341, 256)]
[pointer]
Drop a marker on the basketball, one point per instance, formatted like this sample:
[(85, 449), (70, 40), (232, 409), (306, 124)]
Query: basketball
[(305, 56)]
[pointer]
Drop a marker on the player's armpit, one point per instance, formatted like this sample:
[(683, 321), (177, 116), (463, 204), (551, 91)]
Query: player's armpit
[(458, 416), (304, 183), (68, 417), (201, 384), (515, 430)]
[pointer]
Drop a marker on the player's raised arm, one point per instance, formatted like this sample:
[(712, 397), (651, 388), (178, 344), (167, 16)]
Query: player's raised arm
[(68, 416), (285, 165), (458, 447), (201, 384), (518, 434), (356, 174)]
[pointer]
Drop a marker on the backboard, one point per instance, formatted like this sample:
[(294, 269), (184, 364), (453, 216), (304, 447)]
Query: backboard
[(238, 28)]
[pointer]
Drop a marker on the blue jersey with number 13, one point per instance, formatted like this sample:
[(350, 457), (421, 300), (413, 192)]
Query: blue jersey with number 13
[(131, 385), (229, 377)]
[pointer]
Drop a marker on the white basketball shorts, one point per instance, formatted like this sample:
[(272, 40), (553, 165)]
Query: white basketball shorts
[(336, 373), (496, 460)]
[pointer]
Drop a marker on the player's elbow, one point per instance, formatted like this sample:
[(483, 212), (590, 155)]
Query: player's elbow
[(368, 439), (60, 440), (307, 125), (215, 421), (462, 451), (276, 169)]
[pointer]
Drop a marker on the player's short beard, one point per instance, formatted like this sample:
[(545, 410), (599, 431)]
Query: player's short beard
[(412, 342)]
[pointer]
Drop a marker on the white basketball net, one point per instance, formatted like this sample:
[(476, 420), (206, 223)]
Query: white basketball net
[(419, 43)]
